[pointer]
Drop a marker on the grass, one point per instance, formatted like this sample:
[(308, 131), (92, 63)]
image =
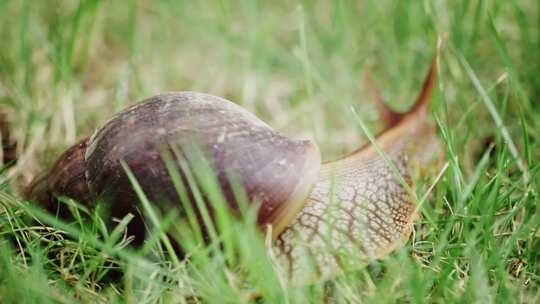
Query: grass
[(67, 66)]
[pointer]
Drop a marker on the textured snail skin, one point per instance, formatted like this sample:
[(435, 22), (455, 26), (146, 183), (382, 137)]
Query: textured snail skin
[(360, 207)]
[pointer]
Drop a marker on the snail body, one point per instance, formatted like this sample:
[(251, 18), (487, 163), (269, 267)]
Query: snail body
[(355, 203)]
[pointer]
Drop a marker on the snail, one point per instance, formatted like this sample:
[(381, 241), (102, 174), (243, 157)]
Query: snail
[(354, 203)]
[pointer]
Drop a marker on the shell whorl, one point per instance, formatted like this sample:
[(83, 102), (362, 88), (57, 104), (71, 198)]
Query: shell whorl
[(274, 170)]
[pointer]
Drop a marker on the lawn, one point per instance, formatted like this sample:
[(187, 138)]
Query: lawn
[(67, 66)]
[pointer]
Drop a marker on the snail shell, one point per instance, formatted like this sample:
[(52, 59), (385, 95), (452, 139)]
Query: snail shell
[(275, 171)]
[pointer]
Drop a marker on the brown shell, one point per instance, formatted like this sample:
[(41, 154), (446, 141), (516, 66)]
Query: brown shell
[(274, 170)]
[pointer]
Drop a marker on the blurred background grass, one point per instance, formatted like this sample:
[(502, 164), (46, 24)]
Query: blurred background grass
[(67, 66)]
